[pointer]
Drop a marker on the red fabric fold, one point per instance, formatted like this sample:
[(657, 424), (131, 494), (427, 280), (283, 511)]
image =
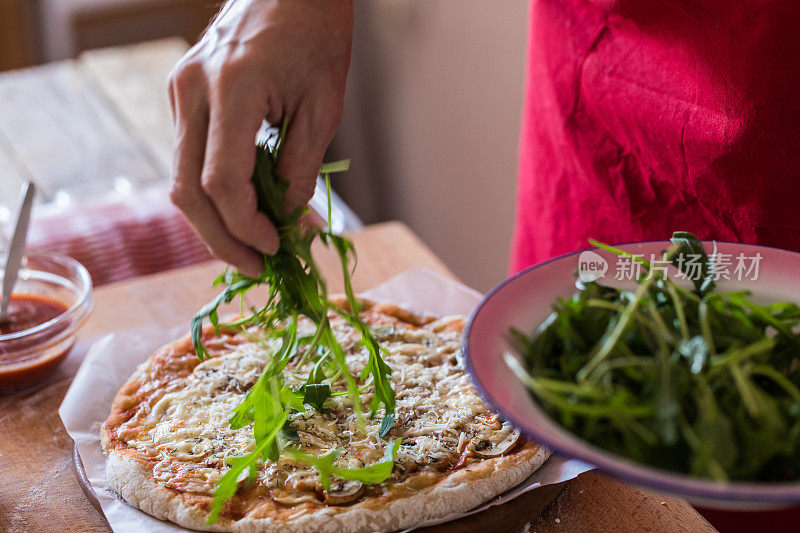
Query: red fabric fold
[(642, 118)]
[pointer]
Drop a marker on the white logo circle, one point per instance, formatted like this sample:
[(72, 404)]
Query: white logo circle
[(591, 266)]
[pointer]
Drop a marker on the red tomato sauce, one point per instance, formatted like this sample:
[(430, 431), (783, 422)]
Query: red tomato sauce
[(28, 311)]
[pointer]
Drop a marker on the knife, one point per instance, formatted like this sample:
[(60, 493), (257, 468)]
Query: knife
[(16, 248)]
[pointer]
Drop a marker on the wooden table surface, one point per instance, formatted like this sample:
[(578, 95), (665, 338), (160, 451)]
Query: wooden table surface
[(38, 487), (82, 128)]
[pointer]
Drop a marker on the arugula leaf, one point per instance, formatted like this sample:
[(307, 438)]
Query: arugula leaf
[(289, 433), (386, 424), (376, 366), (697, 381), (295, 288), (687, 246), (292, 399), (335, 166), (314, 391), (324, 464), (229, 483), (237, 285), (316, 394)]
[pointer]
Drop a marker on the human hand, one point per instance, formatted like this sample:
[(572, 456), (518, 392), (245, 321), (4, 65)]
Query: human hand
[(260, 59)]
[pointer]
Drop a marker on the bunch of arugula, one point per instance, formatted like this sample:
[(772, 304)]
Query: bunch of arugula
[(296, 289), (691, 380)]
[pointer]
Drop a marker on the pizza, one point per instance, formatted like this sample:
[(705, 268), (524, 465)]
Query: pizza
[(167, 437)]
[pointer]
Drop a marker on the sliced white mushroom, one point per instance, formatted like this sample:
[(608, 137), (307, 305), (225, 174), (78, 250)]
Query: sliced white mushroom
[(294, 498), (345, 492), (500, 443)]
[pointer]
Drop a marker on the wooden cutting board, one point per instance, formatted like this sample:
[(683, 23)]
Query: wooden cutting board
[(39, 488)]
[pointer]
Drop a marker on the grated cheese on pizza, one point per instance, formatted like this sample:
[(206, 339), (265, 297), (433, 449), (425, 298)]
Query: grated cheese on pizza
[(182, 428)]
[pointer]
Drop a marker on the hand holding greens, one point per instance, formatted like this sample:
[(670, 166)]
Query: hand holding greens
[(691, 380), (295, 288)]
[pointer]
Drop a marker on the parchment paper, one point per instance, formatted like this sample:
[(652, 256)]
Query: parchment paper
[(114, 357)]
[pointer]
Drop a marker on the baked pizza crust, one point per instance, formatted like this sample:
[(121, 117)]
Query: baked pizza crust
[(458, 492), (455, 492)]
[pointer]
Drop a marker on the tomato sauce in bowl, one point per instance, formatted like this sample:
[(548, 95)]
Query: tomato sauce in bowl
[(51, 301), (26, 311)]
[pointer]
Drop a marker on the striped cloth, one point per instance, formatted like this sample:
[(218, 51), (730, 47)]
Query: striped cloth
[(120, 237)]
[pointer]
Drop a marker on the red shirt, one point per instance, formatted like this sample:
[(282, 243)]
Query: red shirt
[(643, 117)]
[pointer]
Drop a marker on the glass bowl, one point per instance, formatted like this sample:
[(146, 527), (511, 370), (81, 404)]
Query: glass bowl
[(33, 354)]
